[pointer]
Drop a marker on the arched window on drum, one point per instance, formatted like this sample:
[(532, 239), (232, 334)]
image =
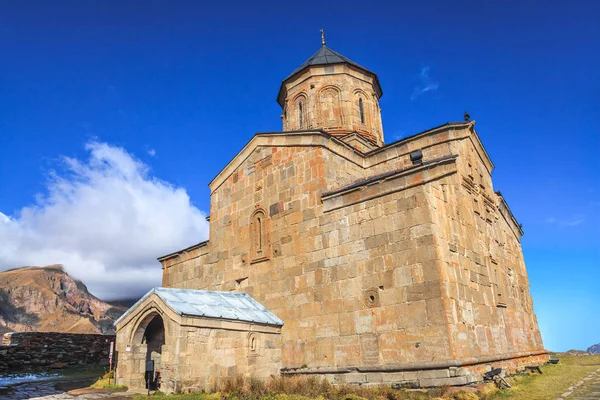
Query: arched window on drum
[(361, 110)]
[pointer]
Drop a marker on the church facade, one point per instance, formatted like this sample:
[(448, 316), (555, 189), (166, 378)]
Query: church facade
[(385, 263)]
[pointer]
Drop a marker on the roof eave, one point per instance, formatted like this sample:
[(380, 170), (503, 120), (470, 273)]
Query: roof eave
[(282, 88), (175, 253)]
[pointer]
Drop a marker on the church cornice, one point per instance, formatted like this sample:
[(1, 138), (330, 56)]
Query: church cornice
[(509, 217), (387, 183), (186, 250), (327, 57), (320, 138), (482, 153), (283, 88), (304, 138), (387, 175)]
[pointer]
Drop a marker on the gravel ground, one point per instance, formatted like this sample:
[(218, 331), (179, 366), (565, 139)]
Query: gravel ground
[(55, 390)]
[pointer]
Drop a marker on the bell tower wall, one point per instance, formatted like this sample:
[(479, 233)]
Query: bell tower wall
[(338, 99)]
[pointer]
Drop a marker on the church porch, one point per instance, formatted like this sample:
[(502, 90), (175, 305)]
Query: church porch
[(196, 339)]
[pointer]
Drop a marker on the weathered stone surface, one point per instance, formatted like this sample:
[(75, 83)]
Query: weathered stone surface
[(370, 259), (27, 351), (339, 99), (192, 353)]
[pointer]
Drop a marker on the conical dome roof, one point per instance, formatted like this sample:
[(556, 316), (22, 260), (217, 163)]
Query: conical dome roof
[(326, 56)]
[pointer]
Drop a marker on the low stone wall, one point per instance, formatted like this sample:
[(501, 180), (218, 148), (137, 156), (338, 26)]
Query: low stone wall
[(29, 351), (426, 374)]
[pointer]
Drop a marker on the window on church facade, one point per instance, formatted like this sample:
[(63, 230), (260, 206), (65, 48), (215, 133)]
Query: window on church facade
[(362, 110), (300, 119), (253, 344), (258, 233), (329, 110)]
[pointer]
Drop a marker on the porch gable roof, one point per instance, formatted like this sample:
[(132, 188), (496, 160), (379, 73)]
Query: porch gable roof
[(237, 306)]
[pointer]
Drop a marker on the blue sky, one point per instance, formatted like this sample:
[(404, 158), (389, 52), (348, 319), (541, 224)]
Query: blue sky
[(158, 96)]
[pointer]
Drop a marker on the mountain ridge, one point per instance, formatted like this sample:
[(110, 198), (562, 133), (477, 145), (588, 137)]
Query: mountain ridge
[(594, 349), (48, 299)]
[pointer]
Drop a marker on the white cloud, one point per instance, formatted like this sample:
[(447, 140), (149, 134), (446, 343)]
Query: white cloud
[(570, 221), (151, 152), (106, 219), (4, 219), (398, 135), (577, 220), (426, 85)]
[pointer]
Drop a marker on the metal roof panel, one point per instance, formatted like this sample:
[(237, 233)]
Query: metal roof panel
[(212, 304)]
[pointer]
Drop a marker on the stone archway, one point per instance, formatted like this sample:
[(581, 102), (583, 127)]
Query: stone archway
[(148, 340), (154, 339)]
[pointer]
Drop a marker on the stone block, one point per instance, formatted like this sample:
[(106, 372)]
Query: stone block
[(369, 349), (356, 378), (450, 381), (423, 291), (374, 377), (403, 276)]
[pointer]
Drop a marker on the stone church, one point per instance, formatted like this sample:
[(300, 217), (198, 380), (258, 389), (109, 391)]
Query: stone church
[(336, 254)]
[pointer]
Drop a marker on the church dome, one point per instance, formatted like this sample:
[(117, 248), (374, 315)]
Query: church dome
[(326, 56), (332, 93)]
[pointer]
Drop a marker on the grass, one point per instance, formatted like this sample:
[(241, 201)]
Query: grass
[(555, 380), (106, 381), (81, 372), (194, 396), (296, 388)]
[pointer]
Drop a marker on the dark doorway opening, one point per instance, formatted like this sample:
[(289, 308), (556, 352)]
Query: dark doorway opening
[(154, 339)]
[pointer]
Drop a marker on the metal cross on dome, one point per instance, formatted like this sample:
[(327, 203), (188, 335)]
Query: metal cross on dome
[(322, 37)]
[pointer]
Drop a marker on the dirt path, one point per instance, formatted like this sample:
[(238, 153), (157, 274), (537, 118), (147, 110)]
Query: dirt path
[(586, 389)]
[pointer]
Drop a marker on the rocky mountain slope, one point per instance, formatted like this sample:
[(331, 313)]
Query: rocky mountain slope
[(47, 299), (595, 349)]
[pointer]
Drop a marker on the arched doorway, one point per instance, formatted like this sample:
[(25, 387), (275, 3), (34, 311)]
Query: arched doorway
[(148, 341), (154, 338)]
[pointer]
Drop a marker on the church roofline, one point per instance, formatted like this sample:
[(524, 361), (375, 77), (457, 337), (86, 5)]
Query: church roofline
[(232, 306), (350, 153), (386, 175), (510, 214), (178, 252), (299, 133), (355, 135), (416, 135), (326, 56), (470, 124)]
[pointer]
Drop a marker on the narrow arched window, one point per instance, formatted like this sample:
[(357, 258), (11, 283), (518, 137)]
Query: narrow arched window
[(253, 344), (300, 115), (361, 110), (258, 234)]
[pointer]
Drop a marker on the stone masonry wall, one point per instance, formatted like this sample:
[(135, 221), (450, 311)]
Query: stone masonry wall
[(387, 272), (330, 101), (209, 356), (324, 267), (197, 352), (485, 287), (27, 351)]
